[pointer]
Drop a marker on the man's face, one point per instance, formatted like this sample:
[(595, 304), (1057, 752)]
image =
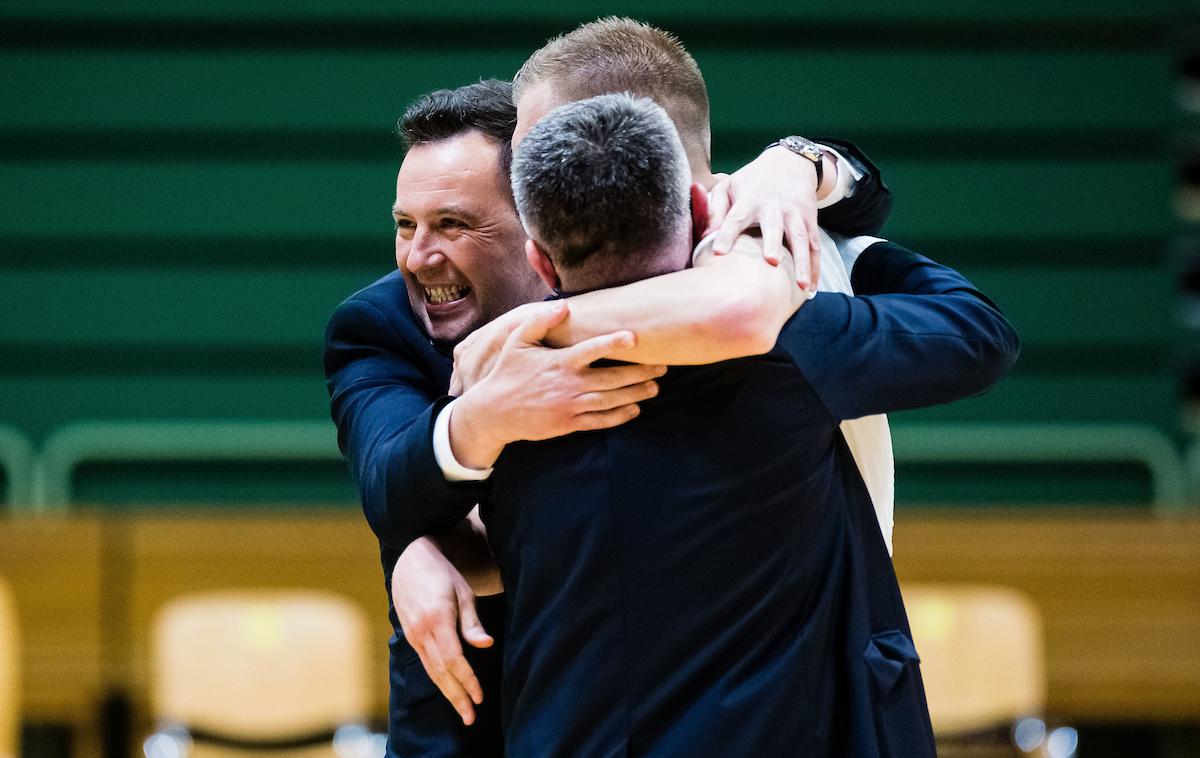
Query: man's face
[(458, 239)]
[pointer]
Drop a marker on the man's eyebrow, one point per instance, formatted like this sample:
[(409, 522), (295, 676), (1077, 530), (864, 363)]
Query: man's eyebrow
[(445, 210)]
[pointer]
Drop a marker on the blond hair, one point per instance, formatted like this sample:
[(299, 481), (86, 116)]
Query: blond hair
[(623, 55)]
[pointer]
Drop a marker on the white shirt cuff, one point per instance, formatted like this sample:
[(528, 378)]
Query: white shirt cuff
[(843, 186), (444, 454)]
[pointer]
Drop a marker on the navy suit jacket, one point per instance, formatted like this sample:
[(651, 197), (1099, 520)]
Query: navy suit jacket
[(710, 578), (387, 381)]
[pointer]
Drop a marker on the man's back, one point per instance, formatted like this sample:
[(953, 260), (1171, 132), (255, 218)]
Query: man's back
[(710, 578), (687, 584)]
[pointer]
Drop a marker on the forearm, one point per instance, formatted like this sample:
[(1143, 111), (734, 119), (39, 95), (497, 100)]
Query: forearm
[(730, 307)]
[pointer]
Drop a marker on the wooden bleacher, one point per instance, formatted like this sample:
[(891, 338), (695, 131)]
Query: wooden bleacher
[(1119, 595)]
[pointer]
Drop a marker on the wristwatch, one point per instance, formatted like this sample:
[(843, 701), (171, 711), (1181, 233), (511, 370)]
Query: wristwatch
[(805, 148)]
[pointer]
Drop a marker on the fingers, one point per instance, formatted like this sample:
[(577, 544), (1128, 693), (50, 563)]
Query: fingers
[(771, 226), (444, 661), (457, 665), (534, 328), (456, 385), (603, 401), (736, 221), (614, 377), (718, 205), (591, 350), (804, 241), (798, 242), (470, 625), (814, 269), (606, 419)]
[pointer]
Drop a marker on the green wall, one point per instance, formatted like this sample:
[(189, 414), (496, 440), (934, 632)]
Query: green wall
[(187, 192)]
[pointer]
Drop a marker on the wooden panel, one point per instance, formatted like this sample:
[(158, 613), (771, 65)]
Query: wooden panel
[(54, 568), (168, 557), (10, 674), (1120, 597)]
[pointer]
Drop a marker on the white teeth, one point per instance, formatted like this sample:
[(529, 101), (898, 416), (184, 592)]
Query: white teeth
[(439, 295)]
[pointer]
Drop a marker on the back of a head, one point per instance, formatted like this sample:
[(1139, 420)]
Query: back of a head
[(602, 185), (624, 55)]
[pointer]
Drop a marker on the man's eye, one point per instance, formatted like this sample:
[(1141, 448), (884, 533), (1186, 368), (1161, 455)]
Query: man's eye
[(403, 224), (452, 223)]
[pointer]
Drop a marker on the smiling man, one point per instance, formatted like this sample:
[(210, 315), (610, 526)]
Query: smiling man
[(452, 221)]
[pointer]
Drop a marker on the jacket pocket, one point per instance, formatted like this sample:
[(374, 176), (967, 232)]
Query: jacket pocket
[(888, 654), (902, 724)]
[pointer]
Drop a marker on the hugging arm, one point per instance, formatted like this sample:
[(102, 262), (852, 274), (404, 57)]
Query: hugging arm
[(384, 400), (917, 334)]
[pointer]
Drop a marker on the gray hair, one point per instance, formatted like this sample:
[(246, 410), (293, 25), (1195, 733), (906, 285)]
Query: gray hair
[(602, 178)]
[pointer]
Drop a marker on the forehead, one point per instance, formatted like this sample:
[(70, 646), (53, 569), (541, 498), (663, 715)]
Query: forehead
[(461, 170), (535, 102)]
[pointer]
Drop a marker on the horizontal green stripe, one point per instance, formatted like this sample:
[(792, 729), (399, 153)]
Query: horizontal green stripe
[(371, 256), (331, 145), (499, 10), (872, 89), (780, 26), (197, 198)]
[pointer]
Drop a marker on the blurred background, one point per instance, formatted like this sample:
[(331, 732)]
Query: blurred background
[(188, 189)]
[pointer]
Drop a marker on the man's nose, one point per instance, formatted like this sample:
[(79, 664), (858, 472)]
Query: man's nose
[(424, 251)]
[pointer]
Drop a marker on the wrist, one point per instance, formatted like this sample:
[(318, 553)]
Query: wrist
[(812, 153), (473, 439)]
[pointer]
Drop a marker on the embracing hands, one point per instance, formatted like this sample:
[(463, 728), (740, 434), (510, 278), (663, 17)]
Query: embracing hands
[(778, 193), (526, 391)]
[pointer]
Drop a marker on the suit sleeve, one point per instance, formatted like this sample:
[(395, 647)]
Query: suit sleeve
[(384, 403), (866, 210), (917, 334)]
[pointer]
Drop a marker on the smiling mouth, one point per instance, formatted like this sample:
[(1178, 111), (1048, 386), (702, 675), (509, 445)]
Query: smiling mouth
[(443, 295)]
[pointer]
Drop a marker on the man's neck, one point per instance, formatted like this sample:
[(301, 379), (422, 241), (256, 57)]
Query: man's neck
[(676, 257), (705, 179)]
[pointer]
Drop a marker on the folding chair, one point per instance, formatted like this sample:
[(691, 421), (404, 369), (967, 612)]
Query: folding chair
[(263, 673), (983, 663), (10, 712)]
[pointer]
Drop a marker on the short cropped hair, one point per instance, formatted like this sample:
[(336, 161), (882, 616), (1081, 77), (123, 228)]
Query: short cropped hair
[(623, 55), (487, 107), (599, 179)]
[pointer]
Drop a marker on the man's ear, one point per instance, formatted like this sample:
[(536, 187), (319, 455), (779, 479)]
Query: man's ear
[(542, 264), (699, 211)]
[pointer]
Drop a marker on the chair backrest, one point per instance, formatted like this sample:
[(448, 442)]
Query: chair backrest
[(10, 713), (260, 666), (982, 656)]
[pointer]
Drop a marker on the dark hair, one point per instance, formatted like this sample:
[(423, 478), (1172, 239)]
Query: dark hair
[(485, 107), (602, 178)]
